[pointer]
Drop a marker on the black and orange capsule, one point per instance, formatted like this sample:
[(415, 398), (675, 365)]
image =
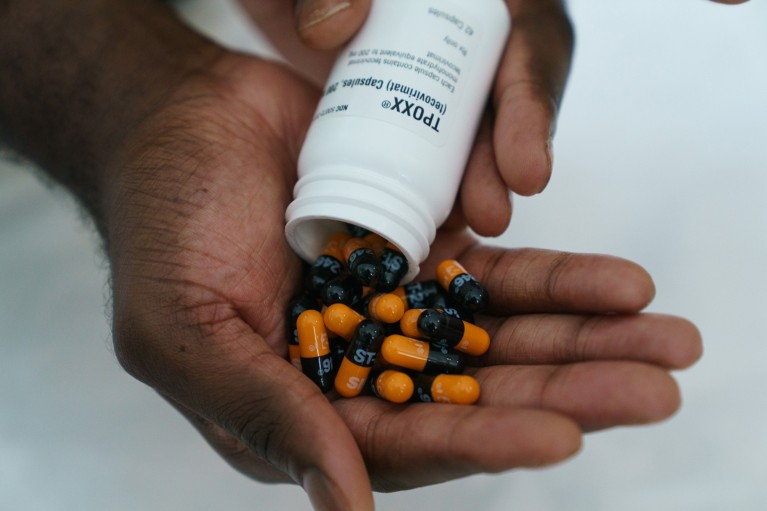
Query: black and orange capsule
[(316, 358), (375, 242), (395, 267), (419, 295), (441, 328), (356, 231), (459, 389), (338, 347), (359, 359), (462, 287), (409, 323), (383, 307), (295, 308), (444, 304), (420, 356), (362, 262), (328, 265), (393, 386), (342, 320), (344, 289)]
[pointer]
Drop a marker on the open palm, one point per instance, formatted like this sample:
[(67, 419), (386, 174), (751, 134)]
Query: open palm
[(202, 275)]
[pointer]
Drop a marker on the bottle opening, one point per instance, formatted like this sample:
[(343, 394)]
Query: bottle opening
[(324, 206)]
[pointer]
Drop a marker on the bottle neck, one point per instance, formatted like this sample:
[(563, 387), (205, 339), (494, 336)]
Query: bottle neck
[(327, 199)]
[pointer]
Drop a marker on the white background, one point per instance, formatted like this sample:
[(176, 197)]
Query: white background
[(660, 157)]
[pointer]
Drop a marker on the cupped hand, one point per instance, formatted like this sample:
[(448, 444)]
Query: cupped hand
[(202, 275)]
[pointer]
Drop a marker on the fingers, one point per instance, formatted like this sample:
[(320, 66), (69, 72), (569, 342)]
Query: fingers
[(621, 377), (421, 444), (327, 24), (484, 197), (528, 90), (597, 395), (528, 280), (665, 341), (524, 414)]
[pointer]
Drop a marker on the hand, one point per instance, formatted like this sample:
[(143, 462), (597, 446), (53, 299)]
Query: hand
[(513, 149), (193, 215)]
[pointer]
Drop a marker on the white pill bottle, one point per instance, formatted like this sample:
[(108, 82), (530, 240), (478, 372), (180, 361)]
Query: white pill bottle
[(392, 133)]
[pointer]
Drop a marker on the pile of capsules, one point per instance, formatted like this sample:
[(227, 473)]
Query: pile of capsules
[(356, 329)]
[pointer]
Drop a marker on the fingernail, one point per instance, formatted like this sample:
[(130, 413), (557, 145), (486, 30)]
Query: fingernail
[(323, 494), (548, 151), (550, 155), (313, 12)]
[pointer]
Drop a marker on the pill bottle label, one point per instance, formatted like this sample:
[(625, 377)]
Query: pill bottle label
[(406, 69)]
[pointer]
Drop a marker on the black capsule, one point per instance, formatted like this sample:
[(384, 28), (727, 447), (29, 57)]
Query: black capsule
[(419, 295), (362, 262), (360, 357), (367, 337), (462, 287), (420, 356), (444, 304), (440, 327), (328, 265), (356, 231), (295, 308), (338, 347), (316, 360), (344, 289), (324, 269), (395, 267)]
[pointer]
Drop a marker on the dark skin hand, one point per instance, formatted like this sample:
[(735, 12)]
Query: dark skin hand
[(202, 275), (187, 169), (513, 150)]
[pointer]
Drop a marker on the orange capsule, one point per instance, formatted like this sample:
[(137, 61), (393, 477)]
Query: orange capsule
[(402, 351), (393, 386), (409, 323), (459, 389), (442, 328), (359, 359), (342, 320), (295, 308), (462, 286), (316, 359), (375, 242), (385, 307), (335, 245)]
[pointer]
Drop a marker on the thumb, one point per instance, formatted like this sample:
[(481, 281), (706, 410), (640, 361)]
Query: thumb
[(267, 418), (332, 470), (285, 420), (328, 24)]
